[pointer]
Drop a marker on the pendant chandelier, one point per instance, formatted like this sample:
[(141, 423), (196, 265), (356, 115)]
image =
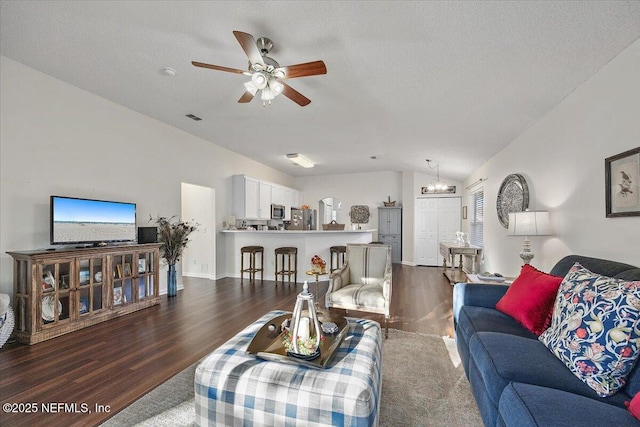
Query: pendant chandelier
[(438, 186)]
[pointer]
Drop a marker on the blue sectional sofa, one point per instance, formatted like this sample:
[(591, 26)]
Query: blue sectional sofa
[(515, 379)]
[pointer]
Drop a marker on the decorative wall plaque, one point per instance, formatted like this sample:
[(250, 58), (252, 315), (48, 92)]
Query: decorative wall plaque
[(359, 214), (513, 196)]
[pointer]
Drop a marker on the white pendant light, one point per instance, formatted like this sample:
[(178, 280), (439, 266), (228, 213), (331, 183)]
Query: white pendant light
[(438, 186)]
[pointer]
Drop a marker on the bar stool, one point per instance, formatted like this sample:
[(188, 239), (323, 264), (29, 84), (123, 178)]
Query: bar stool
[(287, 252), (340, 252), (252, 269)]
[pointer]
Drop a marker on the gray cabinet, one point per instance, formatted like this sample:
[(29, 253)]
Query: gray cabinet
[(390, 230)]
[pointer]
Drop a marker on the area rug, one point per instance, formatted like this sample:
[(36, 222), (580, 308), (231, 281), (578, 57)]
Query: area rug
[(423, 384)]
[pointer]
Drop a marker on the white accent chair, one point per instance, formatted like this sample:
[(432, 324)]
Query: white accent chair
[(364, 282)]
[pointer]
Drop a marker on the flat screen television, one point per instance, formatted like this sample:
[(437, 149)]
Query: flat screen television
[(97, 222)]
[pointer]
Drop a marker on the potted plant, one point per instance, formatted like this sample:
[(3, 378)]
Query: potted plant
[(173, 234)]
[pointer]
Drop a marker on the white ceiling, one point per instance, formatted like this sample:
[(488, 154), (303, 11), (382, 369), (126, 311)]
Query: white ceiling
[(450, 81)]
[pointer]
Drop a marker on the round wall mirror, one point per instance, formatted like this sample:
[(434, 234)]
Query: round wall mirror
[(330, 210)]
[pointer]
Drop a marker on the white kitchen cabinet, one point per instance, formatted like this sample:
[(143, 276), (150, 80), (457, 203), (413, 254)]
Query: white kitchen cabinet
[(264, 200), (252, 198), (245, 200), (277, 195)]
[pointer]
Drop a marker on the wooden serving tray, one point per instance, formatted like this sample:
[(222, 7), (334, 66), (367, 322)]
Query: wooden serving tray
[(267, 344)]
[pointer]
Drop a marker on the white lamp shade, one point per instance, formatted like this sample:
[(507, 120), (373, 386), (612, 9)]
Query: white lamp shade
[(276, 87), (251, 88), (529, 223), (259, 80)]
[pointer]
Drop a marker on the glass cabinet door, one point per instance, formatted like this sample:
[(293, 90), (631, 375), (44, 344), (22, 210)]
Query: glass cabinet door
[(146, 265), (123, 279), (90, 286), (55, 300)]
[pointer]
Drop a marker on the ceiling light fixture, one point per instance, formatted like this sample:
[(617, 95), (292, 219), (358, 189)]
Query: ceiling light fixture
[(438, 186), (168, 71), (301, 160), (267, 83)]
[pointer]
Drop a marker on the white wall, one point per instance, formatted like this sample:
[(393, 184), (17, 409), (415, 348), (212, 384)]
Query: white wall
[(562, 158), (198, 205), (58, 139), (369, 189)]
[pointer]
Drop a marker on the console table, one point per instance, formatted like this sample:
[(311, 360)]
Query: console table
[(63, 290), (449, 250)]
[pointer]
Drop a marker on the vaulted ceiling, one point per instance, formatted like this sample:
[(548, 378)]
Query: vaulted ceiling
[(454, 82)]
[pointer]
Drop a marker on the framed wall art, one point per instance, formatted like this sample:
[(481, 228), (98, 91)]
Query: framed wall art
[(622, 187)]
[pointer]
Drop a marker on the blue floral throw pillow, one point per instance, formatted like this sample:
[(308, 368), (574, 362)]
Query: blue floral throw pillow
[(594, 328)]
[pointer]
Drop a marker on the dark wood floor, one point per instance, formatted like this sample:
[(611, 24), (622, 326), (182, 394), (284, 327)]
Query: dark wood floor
[(114, 363)]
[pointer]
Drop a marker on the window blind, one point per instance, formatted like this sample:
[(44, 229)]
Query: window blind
[(477, 218)]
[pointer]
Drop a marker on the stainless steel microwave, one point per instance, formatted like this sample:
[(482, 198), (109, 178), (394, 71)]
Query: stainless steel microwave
[(277, 212)]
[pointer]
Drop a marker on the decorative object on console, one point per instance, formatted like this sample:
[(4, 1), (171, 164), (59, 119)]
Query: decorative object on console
[(513, 196), (529, 300), (318, 265), (622, 178), (528, 223), (174, 237), (333, 225), (595, 328), (305, 333), (389, 203)]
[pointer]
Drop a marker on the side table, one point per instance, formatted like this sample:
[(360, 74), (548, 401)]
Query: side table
[(316, 296)]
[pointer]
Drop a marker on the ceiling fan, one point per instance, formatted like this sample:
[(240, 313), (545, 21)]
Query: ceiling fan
[(266, 74)]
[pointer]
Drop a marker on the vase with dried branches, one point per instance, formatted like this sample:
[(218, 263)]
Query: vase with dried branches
[(173, 234)]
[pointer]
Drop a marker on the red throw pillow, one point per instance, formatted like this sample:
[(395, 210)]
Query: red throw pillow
[(634, 406), (530, 299)]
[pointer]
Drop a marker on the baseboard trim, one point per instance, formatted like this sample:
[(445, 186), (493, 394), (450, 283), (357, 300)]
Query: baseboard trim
[(199, 275), (412, 264)]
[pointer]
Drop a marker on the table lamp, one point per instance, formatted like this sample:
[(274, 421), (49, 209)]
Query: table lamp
[(528, 223)]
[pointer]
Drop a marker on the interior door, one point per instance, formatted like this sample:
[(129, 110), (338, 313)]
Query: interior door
[(426, 238), (449, 221)]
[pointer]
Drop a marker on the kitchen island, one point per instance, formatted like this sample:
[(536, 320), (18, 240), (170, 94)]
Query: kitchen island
[(308, 242)]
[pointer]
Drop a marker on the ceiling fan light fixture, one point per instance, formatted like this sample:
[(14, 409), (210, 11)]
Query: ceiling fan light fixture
[(259, 79), (276, 87), (301, 160), (251, 88), (267, 94)]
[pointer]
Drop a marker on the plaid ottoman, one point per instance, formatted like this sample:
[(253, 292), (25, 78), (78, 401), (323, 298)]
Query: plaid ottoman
[(233, 388)]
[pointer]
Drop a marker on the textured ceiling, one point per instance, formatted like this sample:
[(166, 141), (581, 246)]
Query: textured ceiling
[(450, 81)]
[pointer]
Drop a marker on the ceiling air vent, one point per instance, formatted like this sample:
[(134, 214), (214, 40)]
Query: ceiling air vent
[(194, 117)]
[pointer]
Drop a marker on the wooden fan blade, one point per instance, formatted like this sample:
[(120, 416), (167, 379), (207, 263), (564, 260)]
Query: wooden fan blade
[(294, 95), (246, 97), (250, 47), (218, 67), (303, 70)]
